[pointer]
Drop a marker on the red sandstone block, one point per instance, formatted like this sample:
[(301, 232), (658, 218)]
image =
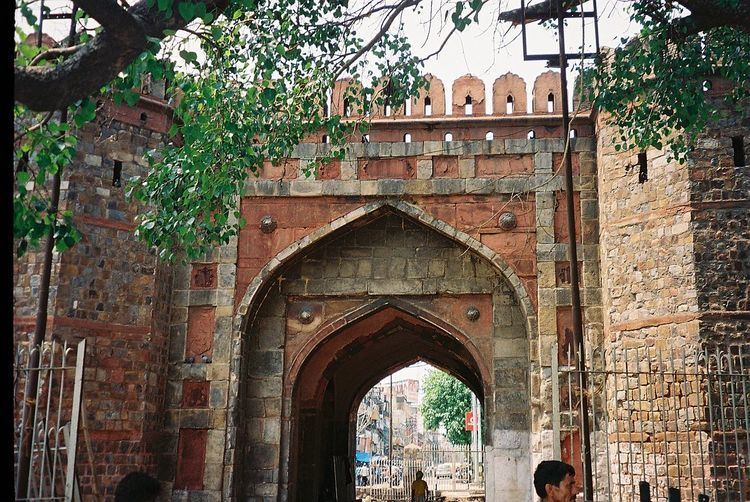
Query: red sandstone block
[(561, 217), (525, 267), (330, 171), (203, 276), (195, 394), (499, 165), (445, 166), (562, 273), (558, 166), (286, 169), (200, 331), (515, 244), (473, 216), (443, 212), (384, 168), (191, 455)]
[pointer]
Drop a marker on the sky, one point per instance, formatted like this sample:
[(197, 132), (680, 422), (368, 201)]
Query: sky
[(490, 49)]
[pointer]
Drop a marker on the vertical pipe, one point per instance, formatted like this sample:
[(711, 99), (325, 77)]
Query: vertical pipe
[(390, 440), (556, 454), (588, 487), (570, 406)]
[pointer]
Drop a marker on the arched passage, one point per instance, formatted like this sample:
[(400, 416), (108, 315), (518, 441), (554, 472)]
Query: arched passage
[(338, 372), (293, 346)]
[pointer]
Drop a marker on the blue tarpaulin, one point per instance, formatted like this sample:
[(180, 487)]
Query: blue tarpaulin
[(363, 456)]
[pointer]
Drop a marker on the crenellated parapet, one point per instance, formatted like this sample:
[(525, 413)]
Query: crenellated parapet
[(546, 97), (509, 95), (467, 98)]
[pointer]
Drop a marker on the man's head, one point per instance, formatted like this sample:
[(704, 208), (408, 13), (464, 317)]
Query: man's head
[(137, 487), (555, 481), (419, 474)]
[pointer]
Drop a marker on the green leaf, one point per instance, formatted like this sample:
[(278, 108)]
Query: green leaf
[(188, 56), (186, 10)]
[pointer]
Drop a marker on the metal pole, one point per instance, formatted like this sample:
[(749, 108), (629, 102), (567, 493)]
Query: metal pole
[(556, 446), (588, 486), (390, 441), (40, 328)]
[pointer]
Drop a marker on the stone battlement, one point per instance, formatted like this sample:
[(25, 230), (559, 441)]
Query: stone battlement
[(468, 98)]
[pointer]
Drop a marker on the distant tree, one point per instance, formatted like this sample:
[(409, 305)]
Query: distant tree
[(446, 401)]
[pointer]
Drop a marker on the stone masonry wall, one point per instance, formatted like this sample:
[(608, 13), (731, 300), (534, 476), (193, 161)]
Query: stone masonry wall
[(720, 211), (673, 254), (110, 290)]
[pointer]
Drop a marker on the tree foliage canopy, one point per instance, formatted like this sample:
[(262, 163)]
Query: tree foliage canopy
[(446, 401), (254, 73)]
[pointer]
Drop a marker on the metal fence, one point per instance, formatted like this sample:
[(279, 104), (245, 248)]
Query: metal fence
[(455, 472), (53, 417), (665, 424)]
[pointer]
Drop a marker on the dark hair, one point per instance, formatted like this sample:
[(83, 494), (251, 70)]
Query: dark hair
[(137, 487), (550, 472)]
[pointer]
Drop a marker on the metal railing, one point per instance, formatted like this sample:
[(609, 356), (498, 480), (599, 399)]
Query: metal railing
[(666, 424), (54, 417), (457, 471)]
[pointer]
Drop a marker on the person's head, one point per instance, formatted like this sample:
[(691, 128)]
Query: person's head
[(555, 481), (419, 474), (137, 487)]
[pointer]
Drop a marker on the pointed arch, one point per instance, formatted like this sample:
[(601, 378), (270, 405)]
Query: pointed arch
[(362, 215)]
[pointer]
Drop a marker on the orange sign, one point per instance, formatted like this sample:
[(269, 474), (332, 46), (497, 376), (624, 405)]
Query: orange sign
[(470, 421)]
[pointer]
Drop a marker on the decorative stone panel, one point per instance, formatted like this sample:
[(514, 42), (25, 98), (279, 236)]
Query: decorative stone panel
[(200, 331), (191, 457)]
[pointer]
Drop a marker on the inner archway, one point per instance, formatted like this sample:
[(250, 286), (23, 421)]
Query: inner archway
[(337, 374), (418, 419)]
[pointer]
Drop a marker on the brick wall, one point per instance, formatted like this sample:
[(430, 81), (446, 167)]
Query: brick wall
[(111, 290)]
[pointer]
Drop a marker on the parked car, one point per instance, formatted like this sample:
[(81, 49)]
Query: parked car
[(444, 470)]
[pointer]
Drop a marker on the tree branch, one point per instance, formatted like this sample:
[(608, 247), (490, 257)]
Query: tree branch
[(383, 29), (124, 37), (54, 53), (704, 14)]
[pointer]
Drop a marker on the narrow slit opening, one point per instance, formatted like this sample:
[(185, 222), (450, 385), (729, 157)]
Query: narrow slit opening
[(642, 167), (117, 174), (738, 145)]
